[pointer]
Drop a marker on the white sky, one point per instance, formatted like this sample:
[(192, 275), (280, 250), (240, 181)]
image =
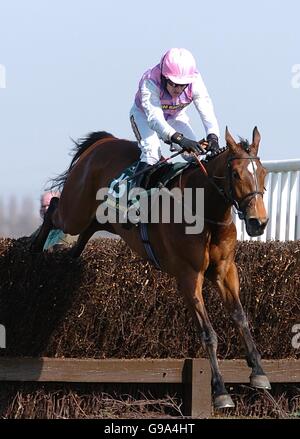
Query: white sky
[(73, 66)]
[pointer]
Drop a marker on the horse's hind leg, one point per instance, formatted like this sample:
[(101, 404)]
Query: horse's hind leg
[(38, 242), (227, 281), (191, 288), (83, 238)]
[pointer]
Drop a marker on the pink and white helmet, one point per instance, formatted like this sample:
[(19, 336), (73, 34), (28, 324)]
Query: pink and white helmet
[(179, 66)]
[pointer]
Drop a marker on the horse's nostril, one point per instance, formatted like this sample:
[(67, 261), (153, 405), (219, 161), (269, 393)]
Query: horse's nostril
[(255, 227), (254, 222)]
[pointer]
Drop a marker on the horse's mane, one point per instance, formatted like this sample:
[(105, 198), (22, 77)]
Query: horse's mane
[(244, 143), (210, 157), (81, 145)]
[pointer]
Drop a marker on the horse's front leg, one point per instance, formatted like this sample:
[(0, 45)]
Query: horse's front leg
[(191, 288), (227, 280)]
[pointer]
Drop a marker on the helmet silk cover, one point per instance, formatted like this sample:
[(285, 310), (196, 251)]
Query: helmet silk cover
[(179, 66)]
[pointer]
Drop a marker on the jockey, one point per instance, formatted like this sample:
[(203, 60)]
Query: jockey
[(159, 112)]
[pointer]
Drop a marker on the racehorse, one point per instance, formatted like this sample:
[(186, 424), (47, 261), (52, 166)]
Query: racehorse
[(233, 177)]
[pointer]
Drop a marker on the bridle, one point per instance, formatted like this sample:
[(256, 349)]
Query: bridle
[(230, 197), (240, 205)]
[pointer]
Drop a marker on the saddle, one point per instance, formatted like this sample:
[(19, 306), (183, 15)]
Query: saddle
[(157, 177), (163, 174)]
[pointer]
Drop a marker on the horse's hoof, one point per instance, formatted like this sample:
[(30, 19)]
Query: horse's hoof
[(223, 402), (260, 382)]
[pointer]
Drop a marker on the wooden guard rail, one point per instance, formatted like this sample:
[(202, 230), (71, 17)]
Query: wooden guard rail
[(194, 374)]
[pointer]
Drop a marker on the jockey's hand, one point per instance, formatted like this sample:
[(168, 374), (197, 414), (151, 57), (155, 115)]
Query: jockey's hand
[(187, 144), (213, 143)]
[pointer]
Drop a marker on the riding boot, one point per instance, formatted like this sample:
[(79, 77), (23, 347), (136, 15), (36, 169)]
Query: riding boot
[(138, 180)]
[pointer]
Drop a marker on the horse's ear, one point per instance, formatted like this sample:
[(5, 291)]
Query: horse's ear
[(230, 141), (255, 140)]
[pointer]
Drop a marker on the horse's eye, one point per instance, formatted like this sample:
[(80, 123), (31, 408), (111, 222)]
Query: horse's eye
[(235, 175)]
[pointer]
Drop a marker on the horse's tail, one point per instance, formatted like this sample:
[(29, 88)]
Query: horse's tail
[(81, 145)]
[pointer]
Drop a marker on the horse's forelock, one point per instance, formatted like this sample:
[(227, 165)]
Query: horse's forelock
[(244, 143)]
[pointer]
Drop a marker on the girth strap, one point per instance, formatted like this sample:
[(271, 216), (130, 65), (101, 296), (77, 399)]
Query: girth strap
[(147, 245)]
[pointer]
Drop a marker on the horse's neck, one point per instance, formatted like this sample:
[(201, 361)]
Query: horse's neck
[(217, 167), (217, 178)]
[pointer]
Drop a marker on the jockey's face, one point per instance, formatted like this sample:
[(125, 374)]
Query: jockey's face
[(175, 90)]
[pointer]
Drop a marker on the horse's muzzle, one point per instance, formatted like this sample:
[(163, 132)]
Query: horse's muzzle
[(255, 227)]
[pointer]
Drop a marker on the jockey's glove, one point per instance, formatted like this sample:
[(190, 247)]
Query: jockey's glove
[(187, 144), (213, 143)]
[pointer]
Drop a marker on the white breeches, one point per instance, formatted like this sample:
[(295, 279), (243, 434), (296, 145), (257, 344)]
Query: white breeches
[(149, 141)]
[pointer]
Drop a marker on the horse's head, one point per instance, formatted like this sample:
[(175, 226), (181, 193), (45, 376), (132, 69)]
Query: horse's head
[(246, 182)]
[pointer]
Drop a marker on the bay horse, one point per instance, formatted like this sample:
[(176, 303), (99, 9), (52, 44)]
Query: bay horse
[(233, 177)]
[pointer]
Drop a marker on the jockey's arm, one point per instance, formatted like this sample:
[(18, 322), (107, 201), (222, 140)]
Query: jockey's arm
[(150, 97), (205, 107)]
